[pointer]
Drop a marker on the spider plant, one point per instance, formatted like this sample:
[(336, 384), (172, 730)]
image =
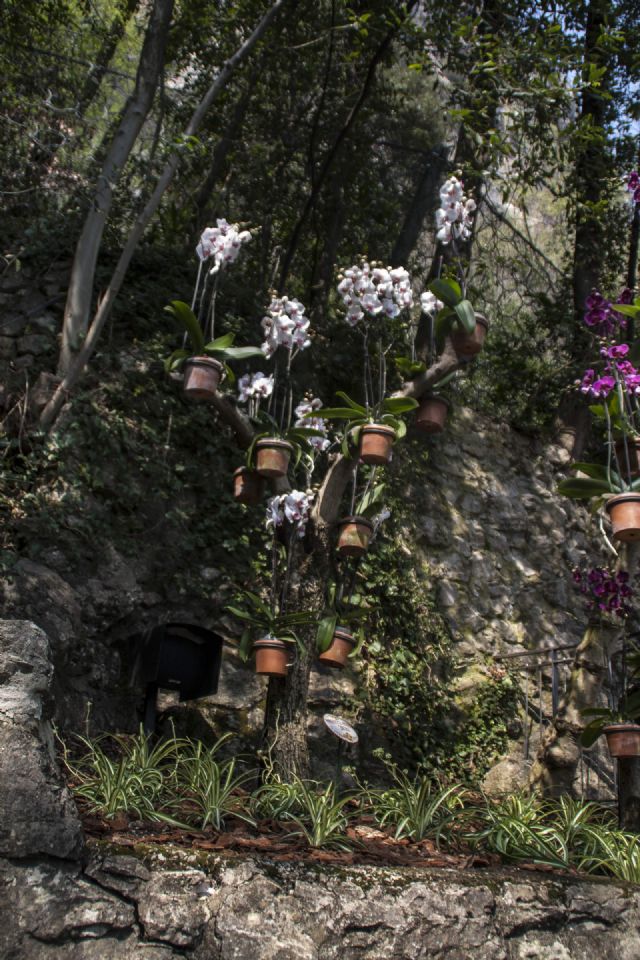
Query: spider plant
[(131, 778), (417, 808), (616, 853), (322, 819), (277, 800), (207, 789)]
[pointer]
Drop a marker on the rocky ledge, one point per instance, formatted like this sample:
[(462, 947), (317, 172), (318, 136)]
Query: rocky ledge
[(164, 903)]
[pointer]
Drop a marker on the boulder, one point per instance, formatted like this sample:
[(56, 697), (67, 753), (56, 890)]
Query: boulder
[(37, 812)]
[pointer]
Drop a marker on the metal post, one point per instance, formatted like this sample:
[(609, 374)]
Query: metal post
[(526, 715), (554, 682)]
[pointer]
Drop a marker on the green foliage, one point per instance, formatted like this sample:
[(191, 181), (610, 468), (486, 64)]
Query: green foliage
[(417, 808), (206, 789), (323, 818)]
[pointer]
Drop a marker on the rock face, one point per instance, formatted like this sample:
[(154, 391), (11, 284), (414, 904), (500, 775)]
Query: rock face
[(121, 907), (37, 813)]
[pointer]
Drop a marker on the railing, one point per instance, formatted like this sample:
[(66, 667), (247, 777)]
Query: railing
[(591, 762)]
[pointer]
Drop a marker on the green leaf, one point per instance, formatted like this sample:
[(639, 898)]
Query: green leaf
[(185, 316), (324, 634), (336, 413), (466, 316), (396, 405), (591, 732), (370, 500), (237, 353), (583, 488), (448, 291), (175, 360), (626, 309), (597, 409), (409, 368), (221, 343), (597, 471), (244, 648), (355, 406), (445, 380)]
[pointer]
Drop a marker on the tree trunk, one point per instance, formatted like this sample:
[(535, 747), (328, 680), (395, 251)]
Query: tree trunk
[(285, 722), (80, 361), (629, 793), (124, 12), (79, 295)]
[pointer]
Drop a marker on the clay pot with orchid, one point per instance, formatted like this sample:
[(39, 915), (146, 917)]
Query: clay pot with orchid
[(205, 365), (619, 726), (269, 633)]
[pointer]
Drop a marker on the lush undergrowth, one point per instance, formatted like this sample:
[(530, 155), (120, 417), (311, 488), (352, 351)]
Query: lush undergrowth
[(184, 784)]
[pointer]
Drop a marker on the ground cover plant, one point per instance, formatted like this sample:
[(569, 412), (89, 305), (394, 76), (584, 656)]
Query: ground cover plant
[(181, 791)]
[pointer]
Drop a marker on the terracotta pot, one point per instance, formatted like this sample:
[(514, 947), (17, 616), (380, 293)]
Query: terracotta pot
[(432, 414), (624, 513), (354, 536), (633, 450), (248, 486), (201, 377), (623, 739), (337, 654), (376, 442), (272, 657), (272, 457), (467, 345)]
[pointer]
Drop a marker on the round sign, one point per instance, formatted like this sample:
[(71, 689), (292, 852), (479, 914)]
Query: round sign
[(340, 728)]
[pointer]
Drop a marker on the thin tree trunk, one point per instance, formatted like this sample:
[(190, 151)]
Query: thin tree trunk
[(124, 12), (79, 295), (423, 202), (103, 311)]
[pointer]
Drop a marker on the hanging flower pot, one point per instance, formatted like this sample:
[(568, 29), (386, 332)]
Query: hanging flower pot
[(432, 414), (624, 513), (248, 486), (337, 654), (376, 442), (272, 457), (201, 377), (633, 452), (354, 536), (272, 657), (468, 345), (623, 739)]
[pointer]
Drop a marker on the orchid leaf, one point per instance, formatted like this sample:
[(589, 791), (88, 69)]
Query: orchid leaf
[(597, 471), (324, 634), (626, 309), (337, 413), (176, 360), (183, 313), (398, 405), (466, 316), (355, 406), (237, 353), (220, 343), (409, 368), (244, 647), (583, 488), (448, 291)]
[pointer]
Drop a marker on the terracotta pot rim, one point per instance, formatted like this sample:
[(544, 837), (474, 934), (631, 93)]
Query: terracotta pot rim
[(356, 519), (481, 319), (429, 397), (270, 642), (204, 361), (274, 442), (621, 728), (631, 496), (345, 634), (240, 470), (378, 428)]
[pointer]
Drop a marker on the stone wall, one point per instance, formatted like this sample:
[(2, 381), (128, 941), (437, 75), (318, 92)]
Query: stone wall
[(163, 904), (490, 534)]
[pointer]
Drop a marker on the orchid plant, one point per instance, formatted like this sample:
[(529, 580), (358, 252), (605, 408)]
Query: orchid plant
[(614, 383), (607, 591), (221, 245), (264, 619), (626, 711)]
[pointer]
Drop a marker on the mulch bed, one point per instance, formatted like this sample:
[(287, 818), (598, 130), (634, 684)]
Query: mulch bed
[(275, 839)]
